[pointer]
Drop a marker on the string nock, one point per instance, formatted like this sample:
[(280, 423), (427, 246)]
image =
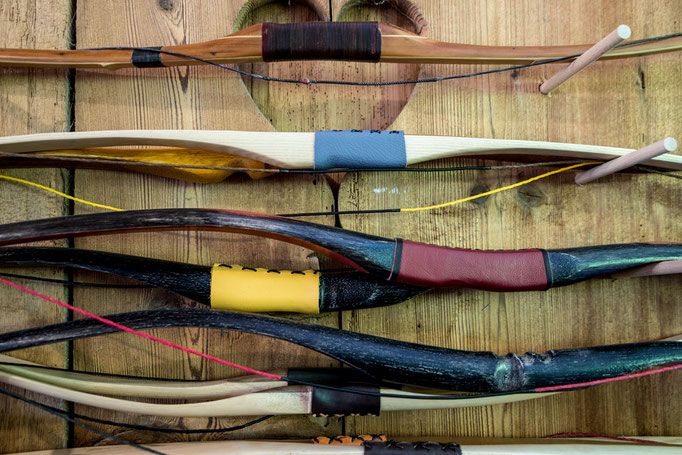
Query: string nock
[(305, 81), (626, 161), (614, 38)]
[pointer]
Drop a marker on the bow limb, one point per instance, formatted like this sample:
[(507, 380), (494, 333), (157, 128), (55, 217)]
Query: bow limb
[(255, 395), (174, 163), (477, 447), (399, 46), (229, 287), (398, 260), (390, 361), (288, 150), (294, 400), (136, 387), (369, 41)]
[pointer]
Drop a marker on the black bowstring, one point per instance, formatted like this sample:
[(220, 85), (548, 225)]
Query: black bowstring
[(65, 415), (76, 283), (133, 426), (656, 171), (62, 414), (96, 373), (398, 210), (111, 286), (369, 84)]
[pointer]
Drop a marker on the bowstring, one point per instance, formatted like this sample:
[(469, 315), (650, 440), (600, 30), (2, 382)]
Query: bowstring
[(330, 213), (67, 416), (372, 211), (363, 84)]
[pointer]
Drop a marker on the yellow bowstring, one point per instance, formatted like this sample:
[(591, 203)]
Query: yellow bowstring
[(59, 193), (498, 190), (414, 209)]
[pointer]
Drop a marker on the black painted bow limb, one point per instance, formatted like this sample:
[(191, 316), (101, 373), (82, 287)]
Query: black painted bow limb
[(388, 360), (337, 290), (398, 260)]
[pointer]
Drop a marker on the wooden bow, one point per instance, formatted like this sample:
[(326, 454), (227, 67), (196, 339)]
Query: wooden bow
[(387, 361), (626, 446), (353, 41), (244, 396), (396, 260), (257, 152), (232, 287)]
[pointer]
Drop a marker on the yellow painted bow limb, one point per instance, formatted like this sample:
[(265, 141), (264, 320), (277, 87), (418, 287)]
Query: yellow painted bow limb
[(160, 161)]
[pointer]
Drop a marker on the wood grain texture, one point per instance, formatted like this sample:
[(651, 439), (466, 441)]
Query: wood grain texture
[(190, 98), (641, 105), (32, 102), (297, 107)]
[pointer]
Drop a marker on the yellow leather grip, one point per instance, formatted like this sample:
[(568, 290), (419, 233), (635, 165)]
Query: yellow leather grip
[(238, 288)]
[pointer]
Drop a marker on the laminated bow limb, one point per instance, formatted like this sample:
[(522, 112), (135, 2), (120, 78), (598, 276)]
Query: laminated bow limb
[(247, 395), (394, 260), (211, 156)]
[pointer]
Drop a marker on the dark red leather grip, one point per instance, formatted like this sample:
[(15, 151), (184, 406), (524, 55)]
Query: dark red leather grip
[(436, 266)]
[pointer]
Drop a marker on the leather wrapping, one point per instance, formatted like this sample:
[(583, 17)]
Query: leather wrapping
[(351, 41), (147, 58), (360, 149), (409, 448), (335, 402), (238, 288), (436, 266)]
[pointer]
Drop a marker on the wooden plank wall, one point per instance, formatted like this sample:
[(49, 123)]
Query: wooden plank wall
[(628, 104), (33, 102)]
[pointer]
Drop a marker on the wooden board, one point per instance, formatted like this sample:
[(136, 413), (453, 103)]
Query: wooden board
[(627, 104), (32, 102), (194, 98)]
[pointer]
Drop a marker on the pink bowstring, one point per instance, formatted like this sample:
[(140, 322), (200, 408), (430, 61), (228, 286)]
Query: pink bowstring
[(138, 333)]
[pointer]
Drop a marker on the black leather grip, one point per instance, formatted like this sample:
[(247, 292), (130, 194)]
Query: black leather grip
[(143, 58), (334, 402), (350, 41), (327, 376), (408, 448)]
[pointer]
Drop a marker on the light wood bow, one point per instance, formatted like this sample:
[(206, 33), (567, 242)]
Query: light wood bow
[(245, 396), (663, 446), (266, 42), (257, 151)]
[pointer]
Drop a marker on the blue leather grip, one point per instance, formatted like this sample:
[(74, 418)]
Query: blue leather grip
[(359, 149)]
